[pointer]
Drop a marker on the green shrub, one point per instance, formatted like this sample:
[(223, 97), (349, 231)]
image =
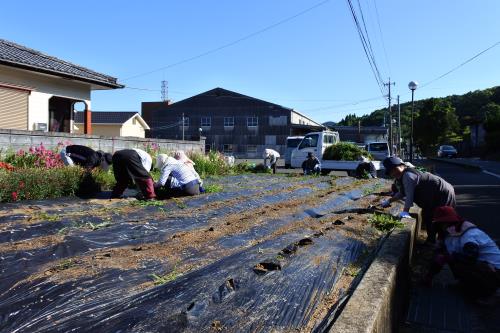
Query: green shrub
[(39, 183), (344, 151), (210, 164), (42, 183)]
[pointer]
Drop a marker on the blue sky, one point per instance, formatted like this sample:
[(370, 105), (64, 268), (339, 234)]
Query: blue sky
[(312, 62)]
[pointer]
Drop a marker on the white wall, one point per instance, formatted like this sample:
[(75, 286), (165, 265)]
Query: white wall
[(43, 88), (133, 127), (301, 120)]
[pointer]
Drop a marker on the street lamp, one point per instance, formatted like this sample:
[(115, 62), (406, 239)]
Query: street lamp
[(412, 85)]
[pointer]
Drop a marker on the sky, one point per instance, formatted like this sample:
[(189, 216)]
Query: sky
[(306, 55)]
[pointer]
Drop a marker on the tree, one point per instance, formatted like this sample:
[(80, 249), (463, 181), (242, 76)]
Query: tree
[(435, 124), (492, 126)]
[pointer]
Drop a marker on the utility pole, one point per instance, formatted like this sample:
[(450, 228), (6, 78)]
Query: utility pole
[(390, 117), (183, 126), (399, 127), (164, 90)]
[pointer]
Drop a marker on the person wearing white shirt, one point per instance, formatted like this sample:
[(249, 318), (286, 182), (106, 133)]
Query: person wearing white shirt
[(133, 165), (176, 179), (474, 258), (272, 156)]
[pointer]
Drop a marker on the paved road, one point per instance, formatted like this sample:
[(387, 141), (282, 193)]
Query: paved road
[(441, 308), (478, 196)]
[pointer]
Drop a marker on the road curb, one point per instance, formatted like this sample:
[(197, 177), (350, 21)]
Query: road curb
[(459, 163), (379, 301)]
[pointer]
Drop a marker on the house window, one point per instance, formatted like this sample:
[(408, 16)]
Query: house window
[(228, 121), (206, 121), (251, 149), (270, 140), (134, 121), (277, 121), (252, 121), (228, 148)]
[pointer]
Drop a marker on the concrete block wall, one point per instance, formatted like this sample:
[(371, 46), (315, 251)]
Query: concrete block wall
[(13, 140)]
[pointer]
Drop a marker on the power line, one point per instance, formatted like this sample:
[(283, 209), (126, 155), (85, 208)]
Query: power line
[(365, 42), (462, 64), (342, 105), (253, 34), (382, 38)]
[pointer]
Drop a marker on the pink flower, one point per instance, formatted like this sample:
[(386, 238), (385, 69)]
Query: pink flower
[(14, 196)]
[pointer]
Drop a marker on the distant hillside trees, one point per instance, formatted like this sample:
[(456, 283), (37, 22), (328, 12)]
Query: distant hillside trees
[(445, 120)]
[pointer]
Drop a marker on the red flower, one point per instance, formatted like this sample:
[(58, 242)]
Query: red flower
[(14, 196)]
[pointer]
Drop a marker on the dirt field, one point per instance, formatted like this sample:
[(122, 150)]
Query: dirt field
[(267, 253)]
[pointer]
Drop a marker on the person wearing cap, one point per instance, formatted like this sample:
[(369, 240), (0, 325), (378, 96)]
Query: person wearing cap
[(271, 155), (474, 258), (428, 191), (311, 165), (133, 165), (365, 168), (85, 157), (176, 178)]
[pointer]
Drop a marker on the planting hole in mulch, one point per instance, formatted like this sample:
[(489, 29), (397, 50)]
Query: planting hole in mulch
[(265, 267)]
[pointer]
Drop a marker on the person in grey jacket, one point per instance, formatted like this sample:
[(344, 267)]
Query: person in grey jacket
[(428, 191)]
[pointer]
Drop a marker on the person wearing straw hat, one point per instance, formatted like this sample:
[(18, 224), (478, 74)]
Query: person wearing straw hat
[(428, 191), (474, 258)]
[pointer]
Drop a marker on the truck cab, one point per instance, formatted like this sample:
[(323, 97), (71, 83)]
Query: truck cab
[(316, 143), (292, 142)]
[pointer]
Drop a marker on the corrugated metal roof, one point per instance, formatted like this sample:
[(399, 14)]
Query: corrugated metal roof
[(15, 55)]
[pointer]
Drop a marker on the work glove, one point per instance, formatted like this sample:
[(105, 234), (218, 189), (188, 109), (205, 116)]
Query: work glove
[(385, 203), (405, 215)]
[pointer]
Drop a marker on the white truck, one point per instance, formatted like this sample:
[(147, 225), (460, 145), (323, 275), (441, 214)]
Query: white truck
[(317, 142)]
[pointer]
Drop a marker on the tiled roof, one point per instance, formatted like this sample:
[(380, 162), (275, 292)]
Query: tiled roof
[(15, 55), (106, 117)]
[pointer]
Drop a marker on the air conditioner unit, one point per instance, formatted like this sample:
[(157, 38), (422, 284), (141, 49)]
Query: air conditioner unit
[(41, 127)]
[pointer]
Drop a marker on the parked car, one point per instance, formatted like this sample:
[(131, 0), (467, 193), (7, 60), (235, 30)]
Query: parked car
[(447, 151), (379, 150)]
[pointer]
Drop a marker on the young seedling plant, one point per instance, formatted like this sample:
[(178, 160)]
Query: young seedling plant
[(384, 222)]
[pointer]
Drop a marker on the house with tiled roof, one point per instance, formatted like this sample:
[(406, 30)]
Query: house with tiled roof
[(39, 92), (110, 123)]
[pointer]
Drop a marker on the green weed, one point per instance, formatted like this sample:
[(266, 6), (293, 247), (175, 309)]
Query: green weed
[(213, 188), (384, 222), (143, 203), (65, 264), (98, 226), (47, 217), (159, 280)]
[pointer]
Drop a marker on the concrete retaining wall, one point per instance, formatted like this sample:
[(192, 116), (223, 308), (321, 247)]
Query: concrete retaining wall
[(379, 301), (15, 140)]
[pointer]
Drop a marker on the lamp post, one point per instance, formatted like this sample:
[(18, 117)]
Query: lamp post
[(412, 85)]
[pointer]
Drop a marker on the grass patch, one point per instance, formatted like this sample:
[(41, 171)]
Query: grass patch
[(47, 217), (213, 188), (372, 189), (65, 264), (162, 279), (98, 226), (384, 222), (150, 203), (180, 204)]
